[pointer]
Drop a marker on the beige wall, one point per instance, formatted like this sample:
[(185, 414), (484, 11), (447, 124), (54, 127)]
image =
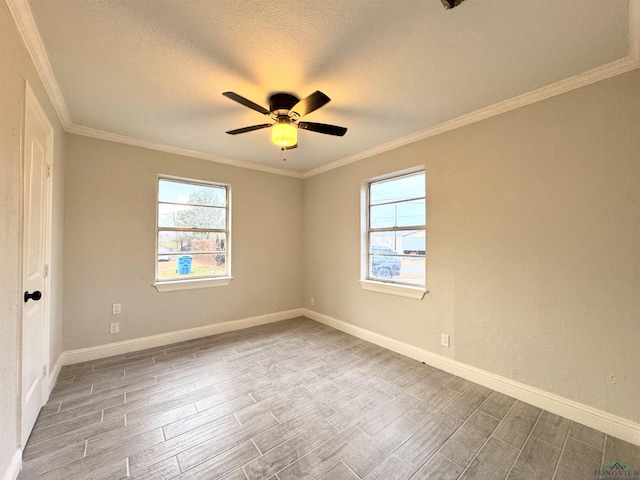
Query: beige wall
[(15, 67), (533, 245), (110, 244)]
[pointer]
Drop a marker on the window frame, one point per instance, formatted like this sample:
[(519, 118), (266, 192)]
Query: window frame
[(367, 281), (201, 281)]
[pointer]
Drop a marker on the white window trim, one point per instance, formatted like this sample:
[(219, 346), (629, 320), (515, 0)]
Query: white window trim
[(177, 285), (394, 289), (402, 290), (174, 285)]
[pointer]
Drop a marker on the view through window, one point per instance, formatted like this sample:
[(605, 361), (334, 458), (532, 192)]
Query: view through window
[(193, 230), (396, 240)]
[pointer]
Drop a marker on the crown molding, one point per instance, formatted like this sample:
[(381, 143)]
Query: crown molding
[(23, 18), (161, 147), (600, 73)]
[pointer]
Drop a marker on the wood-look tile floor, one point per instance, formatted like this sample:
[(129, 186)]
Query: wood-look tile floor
[(297, 400)]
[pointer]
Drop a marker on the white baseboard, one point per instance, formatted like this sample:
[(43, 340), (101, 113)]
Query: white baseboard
[(14, 467), (128, 346), (53, 375), (578, 412)]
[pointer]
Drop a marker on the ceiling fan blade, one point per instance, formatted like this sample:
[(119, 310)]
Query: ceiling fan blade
[(323, 128), (248, 129), (291, 147), (247, 103), (309, 104)]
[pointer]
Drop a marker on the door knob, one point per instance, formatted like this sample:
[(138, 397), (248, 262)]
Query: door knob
[(35, 296)]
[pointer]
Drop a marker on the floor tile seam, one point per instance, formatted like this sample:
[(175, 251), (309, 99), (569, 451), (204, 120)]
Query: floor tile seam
[(50, 413), (464, 420), (545, 442), (25, 465), (311, 451), (505, 443), (588, 444), (493, 416), (564, 446), (294, 436), (392, 420), (480, 450), (438, 451), (349, 468), (181, 419), (274, 417), (87, 404), (503, 418), (305, 411), (604, 449), (393, 451), (202, 441), (431, 391), (467, 388), (525, 443), (403, 461), (64, 433)]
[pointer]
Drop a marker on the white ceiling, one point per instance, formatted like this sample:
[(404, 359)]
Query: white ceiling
[(155, 70)]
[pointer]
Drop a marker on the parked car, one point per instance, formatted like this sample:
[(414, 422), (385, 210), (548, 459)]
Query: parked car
[(161, 257), (383, 266)]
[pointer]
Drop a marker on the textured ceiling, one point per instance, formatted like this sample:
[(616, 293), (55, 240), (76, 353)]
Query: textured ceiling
[(155, 69)]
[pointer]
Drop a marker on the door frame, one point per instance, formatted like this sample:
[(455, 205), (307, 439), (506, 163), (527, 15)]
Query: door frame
[(31, 102)]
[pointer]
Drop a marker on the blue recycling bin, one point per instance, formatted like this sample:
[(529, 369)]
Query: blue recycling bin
[(184, 265)]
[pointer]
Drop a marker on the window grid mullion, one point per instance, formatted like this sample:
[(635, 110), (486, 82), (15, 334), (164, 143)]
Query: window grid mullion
[(397, 229), (192, 230), (199, 205), (393, 202)]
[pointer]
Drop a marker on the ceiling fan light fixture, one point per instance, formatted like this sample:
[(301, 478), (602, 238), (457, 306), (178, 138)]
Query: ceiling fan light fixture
[(284, 134)]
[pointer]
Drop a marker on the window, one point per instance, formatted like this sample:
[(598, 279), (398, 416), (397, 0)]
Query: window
[(193, 233), (394, 232)]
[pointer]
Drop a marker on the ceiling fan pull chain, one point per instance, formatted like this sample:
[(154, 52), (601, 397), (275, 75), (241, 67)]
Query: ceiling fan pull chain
[(284, 154)]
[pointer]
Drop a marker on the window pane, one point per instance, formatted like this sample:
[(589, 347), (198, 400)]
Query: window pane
[(180, 192), (408, 242), (403, 214), (405, 269), (192, 265), (170, 215), (399, 188), (185, 242)]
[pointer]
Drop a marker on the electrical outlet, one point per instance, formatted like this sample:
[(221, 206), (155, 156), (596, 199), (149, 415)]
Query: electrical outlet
[(313, 301), (116, 309), (444, 340), (114, 328)]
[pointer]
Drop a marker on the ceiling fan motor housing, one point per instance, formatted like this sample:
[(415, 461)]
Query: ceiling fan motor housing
[(281, 101)]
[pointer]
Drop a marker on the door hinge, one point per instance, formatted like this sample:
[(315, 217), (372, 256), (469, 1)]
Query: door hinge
[(46, 270), (44, 371), (48, 171)]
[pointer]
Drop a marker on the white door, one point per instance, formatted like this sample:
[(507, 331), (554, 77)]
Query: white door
[(37, 155)]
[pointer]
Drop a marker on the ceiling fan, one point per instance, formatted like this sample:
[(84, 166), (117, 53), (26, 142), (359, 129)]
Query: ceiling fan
[(285, 111)]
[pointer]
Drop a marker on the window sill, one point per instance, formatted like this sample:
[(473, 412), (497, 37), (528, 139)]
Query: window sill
[(177, 285), (407, 291)]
